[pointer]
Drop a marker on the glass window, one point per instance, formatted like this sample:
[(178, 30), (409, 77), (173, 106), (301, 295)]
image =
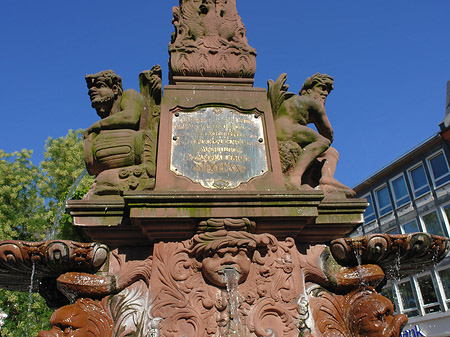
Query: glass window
[(419, 181), (439, 169), (392, 231), (447, 212), (369, 214), (432, 224), (410, 227), (383, 200), (387, 292), (429, 298), (445, 279), (408, 300), (400, 191)]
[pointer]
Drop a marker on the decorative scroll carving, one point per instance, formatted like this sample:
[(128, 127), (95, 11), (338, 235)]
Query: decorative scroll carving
[(50, 259), (150, 83), (360, 313), (229, 224), (398, 255), (209, 41), (307, 159), (131, 312), (121, 275), (267, 287), (181, 288), (120, 149)]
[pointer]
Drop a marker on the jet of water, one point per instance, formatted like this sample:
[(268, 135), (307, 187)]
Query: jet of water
[(61, 209), (30, 292), (231, 278)]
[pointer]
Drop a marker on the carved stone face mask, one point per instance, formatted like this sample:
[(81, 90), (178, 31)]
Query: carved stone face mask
[(226, 258), (372, 316)]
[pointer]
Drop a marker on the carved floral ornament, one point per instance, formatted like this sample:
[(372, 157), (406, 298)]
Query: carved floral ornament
[(182, 289), (209, 41)]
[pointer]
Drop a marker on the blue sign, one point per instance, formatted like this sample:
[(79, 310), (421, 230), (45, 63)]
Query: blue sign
[(415, 332)]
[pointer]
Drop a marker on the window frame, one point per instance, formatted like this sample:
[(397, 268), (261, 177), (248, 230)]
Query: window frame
[(423, 306), (413, 220), (430, 169), (415, 191), (379, 209), (390, 285), (424, 225), (445, 218), (396, 201), (373, 206), (398, 295), (441, 285)]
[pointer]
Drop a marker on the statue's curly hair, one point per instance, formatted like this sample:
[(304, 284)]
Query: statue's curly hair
[(108, 76), (316, 79), (206, 244), (100, 322)]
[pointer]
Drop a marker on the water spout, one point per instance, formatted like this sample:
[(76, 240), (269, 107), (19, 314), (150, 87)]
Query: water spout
[(30, 291), (358, 252), (61, 209), (231, 278)]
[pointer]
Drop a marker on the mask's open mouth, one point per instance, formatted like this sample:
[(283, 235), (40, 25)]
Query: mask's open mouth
[(229, 270), (203, 9)]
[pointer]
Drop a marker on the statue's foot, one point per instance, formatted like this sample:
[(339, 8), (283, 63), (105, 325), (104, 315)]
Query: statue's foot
[(330, 185), (295, 183)]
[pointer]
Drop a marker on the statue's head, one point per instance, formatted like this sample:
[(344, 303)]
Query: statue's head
[(318, 86), (84, 318), (105, 88), (222, 250), (372, 315)]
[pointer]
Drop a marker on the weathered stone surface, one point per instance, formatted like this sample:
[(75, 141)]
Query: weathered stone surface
[(261, 171), (149, 217), (307, 159), (120, 149), (398, 255), (360, 313), (46, 261), (183, 288), (211, 241), (209, 44)]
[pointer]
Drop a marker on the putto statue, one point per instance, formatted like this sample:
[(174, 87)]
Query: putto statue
[(120, 148), (307, 159)]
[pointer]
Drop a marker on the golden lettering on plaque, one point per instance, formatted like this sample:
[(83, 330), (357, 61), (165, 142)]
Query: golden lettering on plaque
[(218, 147)]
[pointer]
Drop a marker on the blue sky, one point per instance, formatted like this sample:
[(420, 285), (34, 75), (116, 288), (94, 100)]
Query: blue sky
[(390, 61)]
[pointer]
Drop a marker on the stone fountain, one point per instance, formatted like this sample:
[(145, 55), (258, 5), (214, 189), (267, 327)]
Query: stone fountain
[(216, 208)]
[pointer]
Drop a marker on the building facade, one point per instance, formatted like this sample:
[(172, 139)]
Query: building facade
[(412, 194)]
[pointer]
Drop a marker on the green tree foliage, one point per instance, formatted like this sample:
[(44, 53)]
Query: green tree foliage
[(21, 205), (30, 197)]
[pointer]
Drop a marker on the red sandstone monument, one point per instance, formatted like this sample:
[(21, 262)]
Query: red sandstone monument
[(215, 208)]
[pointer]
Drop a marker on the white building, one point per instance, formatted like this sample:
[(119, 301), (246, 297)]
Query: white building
[(412, 194)]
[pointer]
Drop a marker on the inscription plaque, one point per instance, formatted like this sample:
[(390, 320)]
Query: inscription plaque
[(218, 147)]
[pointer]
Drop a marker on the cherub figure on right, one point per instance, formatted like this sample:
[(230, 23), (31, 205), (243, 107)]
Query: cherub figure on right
[(307, 158)]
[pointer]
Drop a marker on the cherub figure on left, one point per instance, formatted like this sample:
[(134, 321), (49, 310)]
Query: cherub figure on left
[(120, 148)]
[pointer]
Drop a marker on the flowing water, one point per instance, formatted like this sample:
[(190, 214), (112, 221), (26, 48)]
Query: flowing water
[(357, 250), (231, 279), (61, 210), (30, 292)]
